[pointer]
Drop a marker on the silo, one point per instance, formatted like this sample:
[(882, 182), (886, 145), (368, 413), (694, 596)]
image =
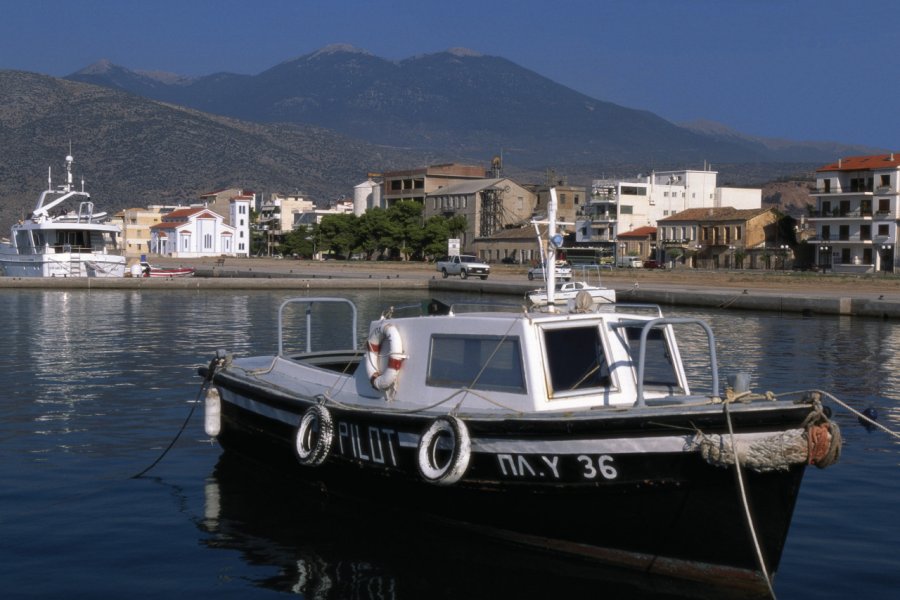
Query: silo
[(365, 196)]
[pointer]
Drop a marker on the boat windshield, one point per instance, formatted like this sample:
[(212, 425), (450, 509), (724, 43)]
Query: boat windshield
[(481, 362), (575, 359), (659, 370)]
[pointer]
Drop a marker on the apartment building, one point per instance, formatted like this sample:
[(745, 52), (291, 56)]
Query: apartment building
[(622, 205), (856, 214), (416, 184)]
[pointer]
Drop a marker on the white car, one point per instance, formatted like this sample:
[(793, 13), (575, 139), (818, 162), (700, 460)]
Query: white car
[(563, 272)]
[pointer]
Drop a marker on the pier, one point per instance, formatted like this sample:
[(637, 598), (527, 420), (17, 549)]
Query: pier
[(804, 293)]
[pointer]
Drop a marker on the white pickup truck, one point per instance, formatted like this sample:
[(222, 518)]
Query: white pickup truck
[(463, 265)]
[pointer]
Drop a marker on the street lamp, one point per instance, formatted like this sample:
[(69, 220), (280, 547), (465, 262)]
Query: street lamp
[(824, 255), (731, 250), (784, 252), (885, 250)]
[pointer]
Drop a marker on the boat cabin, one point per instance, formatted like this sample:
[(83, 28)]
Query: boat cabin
[(520, 361)]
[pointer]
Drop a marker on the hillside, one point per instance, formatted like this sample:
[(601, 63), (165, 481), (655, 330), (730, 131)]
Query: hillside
[(133, 152)]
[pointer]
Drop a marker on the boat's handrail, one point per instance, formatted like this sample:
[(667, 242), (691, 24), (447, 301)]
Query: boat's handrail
[(630, 307), (646, 326), (485, 307), (309, 303)]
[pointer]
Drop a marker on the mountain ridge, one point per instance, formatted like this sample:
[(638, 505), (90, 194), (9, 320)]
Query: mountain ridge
[(462, 100)]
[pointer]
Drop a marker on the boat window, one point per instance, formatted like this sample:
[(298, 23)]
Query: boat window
[(479, 362), (659, 369), (575, 358)]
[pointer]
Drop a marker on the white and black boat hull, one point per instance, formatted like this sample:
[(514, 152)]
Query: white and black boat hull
[(619, 488)]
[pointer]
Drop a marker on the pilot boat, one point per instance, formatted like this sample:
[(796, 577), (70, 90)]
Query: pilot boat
[(63, 237), (570, 429)]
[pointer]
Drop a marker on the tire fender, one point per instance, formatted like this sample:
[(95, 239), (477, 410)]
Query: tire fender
[(445, 432)]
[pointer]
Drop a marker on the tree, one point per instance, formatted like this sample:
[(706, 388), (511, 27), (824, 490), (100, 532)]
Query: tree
[(338, 234), (408, 233), (375, 231), (301, 241)]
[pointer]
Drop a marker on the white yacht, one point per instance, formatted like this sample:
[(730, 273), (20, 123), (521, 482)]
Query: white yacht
[(63, 237)]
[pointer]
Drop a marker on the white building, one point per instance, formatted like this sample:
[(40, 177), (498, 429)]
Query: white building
[(857, 211), (235, 204), (191, 233), (278, 214), (619, 206)]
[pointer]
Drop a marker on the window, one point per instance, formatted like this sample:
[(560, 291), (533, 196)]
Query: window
[(207, 241), (885, 181), (884, 230), (659, 371), (826, 232), (884, 205), (575, 359), (845, 256), (626, 210), (487, 362), (865, 232), (630, 190)]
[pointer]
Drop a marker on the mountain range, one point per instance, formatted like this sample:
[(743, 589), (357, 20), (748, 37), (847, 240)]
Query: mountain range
[(320, 122)]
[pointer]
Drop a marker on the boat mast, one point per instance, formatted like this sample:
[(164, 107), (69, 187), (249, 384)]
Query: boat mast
[(550, 258)]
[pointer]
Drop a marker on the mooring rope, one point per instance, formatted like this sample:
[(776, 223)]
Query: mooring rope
[(747, 514), (839, 402), (213, 367)]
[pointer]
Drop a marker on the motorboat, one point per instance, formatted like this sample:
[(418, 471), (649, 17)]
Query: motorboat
[(577, 430), (63, 237), (145, 269), (567, 292)]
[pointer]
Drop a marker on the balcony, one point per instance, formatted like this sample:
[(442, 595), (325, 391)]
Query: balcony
[(850, 189), (837, 213)]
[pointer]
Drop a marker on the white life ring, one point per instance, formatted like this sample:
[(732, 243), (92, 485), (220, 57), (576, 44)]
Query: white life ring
[(314, 436), (446, 433), (387, 333)]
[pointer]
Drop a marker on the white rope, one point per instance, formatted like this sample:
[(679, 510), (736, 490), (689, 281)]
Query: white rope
[(751, 526)]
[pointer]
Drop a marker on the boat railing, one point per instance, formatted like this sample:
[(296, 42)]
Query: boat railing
[(309, 302), (630, 307), (646, 326), (464, 307)]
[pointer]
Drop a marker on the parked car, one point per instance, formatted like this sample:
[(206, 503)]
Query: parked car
[(653, 264), (629, 262), (563, 272), (463, 265)]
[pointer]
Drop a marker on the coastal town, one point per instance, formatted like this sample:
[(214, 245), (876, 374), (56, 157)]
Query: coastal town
[(670, 219)]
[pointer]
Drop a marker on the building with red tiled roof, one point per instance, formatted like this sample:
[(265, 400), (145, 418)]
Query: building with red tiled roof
[(639, 242), (722, 238), (856, 215), (192, 232)]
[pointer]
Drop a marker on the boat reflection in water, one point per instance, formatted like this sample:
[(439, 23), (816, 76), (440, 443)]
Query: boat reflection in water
[(325, 546)]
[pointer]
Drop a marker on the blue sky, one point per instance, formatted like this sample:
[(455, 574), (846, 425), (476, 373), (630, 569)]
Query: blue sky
[(793, 69)]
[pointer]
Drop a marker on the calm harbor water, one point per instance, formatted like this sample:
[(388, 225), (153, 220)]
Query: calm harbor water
[(97, 384)]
